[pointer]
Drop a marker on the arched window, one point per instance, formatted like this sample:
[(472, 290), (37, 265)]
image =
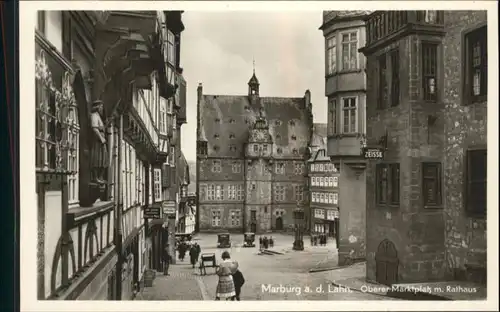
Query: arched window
[(72, 127)]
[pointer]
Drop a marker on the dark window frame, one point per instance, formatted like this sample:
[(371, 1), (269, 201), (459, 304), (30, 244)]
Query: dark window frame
[(395, 77), (383, 88), (393, 185), (471, 205), (429, 68), (437, 178), (479, 33)]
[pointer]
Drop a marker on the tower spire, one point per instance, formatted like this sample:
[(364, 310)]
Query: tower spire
[(254, 65)]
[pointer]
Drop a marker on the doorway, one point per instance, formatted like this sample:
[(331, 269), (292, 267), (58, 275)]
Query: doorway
[(253, 227), (279, 223), (387, 263)]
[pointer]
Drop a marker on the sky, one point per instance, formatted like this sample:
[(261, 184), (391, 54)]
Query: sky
[(218, 50)]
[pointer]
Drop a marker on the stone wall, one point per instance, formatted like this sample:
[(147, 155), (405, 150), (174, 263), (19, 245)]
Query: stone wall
[(465, 126), (432, 243), (352, 211), (259, 179), (416, 232), (226, 208), (259, 194)]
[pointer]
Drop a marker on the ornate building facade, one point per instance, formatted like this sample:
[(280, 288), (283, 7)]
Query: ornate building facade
[(251, 156), (345, 87), (99, 142), (426, 200), (323, 177)]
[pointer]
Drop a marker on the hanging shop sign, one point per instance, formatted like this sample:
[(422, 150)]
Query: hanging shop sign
[(373, 153), (152, 213), (168, 207)]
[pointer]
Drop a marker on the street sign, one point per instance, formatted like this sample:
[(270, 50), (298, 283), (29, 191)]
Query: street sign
[(168, 207), (373, 153), (152, 213)]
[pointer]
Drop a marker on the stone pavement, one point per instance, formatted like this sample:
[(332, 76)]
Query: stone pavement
[(181, 284), (354, 278)]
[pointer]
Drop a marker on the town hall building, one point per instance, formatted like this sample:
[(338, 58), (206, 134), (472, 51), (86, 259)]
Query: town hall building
[(251, 160)]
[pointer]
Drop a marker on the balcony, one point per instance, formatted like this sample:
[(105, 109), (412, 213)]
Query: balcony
[(345, 145), (383, 27)]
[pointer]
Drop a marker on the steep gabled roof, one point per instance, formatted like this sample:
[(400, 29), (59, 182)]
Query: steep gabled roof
[(227, 119), (319, 155), (183, 170), (318, 139)]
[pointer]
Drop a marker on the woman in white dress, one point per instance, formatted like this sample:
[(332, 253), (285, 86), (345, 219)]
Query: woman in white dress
[(225, 287)]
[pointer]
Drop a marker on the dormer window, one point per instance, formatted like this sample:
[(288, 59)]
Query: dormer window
[(277, 122), (279, 150), (247, 108), (278, 137), (216, 148), (292, 123), (217, 120), (231, 120), (247, 121), (294, 138), (216, 136), (231, 136), (295, 151), (232, 148)]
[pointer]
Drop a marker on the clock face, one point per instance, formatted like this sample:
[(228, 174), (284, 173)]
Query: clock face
[(260, 135)]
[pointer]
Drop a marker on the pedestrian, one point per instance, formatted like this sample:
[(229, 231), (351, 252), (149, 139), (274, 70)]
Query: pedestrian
[(198, 248), (225, 286), (271, 242), (238, 280), (265, 241), (193, 255), (182, 251), (167, 259), (260, 242)]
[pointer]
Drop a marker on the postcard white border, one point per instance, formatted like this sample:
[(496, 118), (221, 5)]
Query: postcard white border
[(28, 215)]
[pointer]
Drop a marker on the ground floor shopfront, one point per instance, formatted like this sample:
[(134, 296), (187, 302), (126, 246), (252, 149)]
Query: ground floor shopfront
[(133, 265), (328, 227), (158, 240)]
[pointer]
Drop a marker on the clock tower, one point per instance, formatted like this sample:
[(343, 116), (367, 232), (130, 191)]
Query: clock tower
[(258, 178), (253, 89)]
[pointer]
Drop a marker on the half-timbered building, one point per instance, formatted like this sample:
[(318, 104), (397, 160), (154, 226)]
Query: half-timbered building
[(100, 79)]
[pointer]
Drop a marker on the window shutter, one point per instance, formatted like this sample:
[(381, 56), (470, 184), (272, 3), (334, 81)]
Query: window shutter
[(165, 176)]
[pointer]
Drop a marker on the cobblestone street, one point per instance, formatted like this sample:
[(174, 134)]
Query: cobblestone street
[(264, 274)]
